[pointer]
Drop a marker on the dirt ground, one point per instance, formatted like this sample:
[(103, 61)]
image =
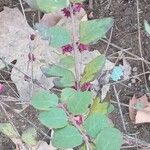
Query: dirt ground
[(125, 35)]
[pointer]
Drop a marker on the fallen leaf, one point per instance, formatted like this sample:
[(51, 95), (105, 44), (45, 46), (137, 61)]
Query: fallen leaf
[(126, 69), (104, 91), (143, 116), (134, 105)]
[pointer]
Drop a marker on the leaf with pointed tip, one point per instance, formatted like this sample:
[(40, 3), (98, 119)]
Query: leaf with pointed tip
[(54, 118), (67, 137), (96, 123), (147, 26), (58, 36), (93, 30), (109, 139), (93, 68), (44, 100), (51, 5), (29, 137), (78, 103), (65, 77), (98, 107), (67, 62), (8, 129)]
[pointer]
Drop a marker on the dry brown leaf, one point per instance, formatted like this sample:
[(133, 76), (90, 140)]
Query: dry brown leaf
[(143, 116), (132, 103)]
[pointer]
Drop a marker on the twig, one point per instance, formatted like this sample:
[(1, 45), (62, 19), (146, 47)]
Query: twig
[(21, 4), (18, 135), (139, 141), (139, 39), (109, 41), (120, 110)]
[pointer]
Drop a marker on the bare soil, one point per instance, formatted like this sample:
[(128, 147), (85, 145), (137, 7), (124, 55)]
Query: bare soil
[(125, 35)]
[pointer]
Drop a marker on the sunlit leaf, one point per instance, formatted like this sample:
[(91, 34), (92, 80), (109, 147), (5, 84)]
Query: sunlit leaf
[(67, 137), (8, 129), (78, 103), (83, 147), (52, 5), (44, 100), (93, 68), (147, 26), (54, 118), (109, 139), (99, 107), (93, 30), (96, 123), (29, 136)]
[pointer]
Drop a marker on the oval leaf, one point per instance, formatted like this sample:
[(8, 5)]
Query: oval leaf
[(67, 93), (67, 137), (29, 137), (109, 139), (52, 5), (65, 77), (93, 30), (78, 103), (44, 100), (54, 118), (67, 62), (93, 68), (95, 123)]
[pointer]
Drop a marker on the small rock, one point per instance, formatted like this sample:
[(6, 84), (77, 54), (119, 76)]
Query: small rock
[(134, 69), (133, 80)]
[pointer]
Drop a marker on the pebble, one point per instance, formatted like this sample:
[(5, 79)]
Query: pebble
[(134, 69), (129, 84), (133, 80)]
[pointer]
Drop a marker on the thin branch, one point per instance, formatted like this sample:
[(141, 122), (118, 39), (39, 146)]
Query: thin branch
[(139, 39), (40, 130), (120, 110)]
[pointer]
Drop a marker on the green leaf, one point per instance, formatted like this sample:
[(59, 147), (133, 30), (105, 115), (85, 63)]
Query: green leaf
[(59, 36), (147, 26), (78, 103), (44, 100), (67, 93), (93, 68), (67, 62), (67, 137), (93, 30), (99, 107), (110, 109), (65, 77), (96, 123), (8, 129), (54, 118), (51, 5), (109, 139), (29, 137)]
